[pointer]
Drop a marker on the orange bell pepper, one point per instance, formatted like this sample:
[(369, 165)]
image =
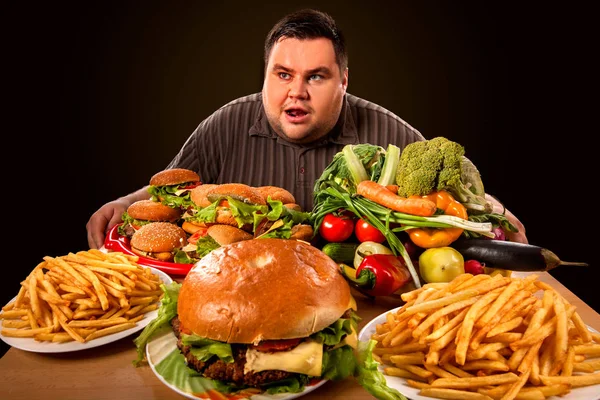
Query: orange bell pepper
[(439, 237)]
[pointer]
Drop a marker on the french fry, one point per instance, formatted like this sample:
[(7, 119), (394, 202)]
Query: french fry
[(110, 330), (441, 393), (24, 332)]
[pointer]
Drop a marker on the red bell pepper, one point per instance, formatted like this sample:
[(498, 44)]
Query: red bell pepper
[(381, 274)]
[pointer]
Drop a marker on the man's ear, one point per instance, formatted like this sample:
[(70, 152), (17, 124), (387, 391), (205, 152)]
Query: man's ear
[(345, 80)]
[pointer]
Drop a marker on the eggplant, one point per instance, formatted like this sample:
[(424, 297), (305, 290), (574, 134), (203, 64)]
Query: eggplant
[(511, 256)]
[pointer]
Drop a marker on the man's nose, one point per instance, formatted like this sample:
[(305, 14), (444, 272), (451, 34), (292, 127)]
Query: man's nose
[(298, 89)]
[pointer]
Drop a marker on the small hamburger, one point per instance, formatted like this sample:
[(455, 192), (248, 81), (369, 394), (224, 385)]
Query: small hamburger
[(172, 187), (270, 313), (143, 212), (204, 241), (158, 240)]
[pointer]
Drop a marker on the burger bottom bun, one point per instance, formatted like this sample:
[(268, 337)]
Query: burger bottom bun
[(262, 289), (293, 206), (227, 234), (161, 256)]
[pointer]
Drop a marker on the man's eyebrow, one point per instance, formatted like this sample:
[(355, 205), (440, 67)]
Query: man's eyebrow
[(319, 70), (322, 70)]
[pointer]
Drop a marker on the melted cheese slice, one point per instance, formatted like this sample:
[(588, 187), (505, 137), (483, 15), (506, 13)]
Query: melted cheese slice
[(306, 358)]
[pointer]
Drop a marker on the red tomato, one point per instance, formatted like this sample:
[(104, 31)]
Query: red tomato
[(337, 227), (197, 235), (365, 232), (276, 345)]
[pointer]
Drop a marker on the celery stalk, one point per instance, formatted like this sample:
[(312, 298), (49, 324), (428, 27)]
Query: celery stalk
[(355, 166), (390, 165)]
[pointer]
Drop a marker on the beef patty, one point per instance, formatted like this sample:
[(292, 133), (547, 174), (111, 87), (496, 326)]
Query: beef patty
[(233, 372)]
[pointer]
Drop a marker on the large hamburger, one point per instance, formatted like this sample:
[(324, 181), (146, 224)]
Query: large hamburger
[(266, 313), (158, 240), (143, 212)]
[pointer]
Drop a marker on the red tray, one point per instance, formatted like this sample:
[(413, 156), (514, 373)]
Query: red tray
[(116, 242)]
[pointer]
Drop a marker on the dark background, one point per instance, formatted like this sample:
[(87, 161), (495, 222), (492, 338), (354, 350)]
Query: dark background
[(99, 98)]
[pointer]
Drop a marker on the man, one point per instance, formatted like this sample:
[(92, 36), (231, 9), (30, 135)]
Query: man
[(287, 134)]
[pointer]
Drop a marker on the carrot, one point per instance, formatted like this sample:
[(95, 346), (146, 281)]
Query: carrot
[(392, 188), (383, 196)]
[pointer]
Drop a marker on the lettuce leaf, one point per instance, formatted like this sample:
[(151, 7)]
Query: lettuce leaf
[(166, 312), (370, 377)]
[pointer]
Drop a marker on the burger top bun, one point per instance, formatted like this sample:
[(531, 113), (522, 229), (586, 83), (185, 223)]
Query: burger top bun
[(173, 176), (157, 237), (276, 193), (227, 234), (262, 289), (198, 194), (238, 191), (153, 211)]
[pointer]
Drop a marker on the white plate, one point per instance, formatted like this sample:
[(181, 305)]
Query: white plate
[(30, 344), (581, 393), (164, 342)]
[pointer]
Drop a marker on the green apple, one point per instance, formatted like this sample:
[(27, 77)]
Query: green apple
[(441, 264)]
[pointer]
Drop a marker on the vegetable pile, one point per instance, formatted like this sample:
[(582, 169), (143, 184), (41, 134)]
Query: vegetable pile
[(428, 196)]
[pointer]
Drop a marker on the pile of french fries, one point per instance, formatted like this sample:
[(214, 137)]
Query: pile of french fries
[(483, 337), (81, 297)]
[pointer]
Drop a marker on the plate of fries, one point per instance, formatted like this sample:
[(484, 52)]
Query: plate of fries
[(484, 337), (81, 300)]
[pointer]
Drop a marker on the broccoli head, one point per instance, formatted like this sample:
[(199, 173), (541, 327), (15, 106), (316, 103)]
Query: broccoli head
[(440, 164)]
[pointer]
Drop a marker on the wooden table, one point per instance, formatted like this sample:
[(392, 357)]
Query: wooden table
[(106, 372)]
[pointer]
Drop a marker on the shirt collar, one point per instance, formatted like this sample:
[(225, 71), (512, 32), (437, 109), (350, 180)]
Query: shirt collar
[(344, 132)]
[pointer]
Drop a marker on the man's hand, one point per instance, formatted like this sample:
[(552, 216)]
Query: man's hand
[(512, 236), (103, 220)]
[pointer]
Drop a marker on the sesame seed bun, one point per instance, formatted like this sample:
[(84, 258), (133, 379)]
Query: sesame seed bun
[(156, 238), (173, 176)]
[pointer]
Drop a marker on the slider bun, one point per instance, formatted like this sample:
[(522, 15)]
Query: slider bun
[(227, 234), (262, 289), (198, 194), (193, 227), (153, 211), (276, 193), (157, 237), (238, 191), (173, 176)]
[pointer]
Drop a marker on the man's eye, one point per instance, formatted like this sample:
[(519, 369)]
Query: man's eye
[(284, 75), (315, 77)]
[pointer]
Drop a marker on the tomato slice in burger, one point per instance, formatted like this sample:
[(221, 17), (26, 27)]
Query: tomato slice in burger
[(192, 185), (197, 235), (277, 345)]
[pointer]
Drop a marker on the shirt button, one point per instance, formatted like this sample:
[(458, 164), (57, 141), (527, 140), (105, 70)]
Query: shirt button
[(302, 170)]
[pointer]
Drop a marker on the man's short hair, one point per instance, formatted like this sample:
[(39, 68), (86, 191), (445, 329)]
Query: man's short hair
[(309, 24)]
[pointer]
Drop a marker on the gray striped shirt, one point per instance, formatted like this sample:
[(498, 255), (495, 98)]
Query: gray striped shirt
[(236, 144)]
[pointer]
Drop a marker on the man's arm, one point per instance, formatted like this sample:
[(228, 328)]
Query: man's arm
[(500, 209), (109, 215)]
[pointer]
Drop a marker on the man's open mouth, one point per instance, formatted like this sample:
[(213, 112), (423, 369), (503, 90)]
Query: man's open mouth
[(296, 113)]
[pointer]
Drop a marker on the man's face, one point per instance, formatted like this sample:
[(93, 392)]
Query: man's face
[(303, 89)]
